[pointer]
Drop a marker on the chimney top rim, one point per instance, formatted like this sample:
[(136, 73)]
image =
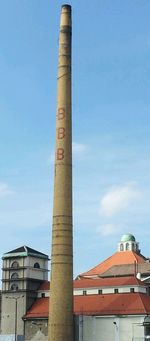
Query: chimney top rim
[(67, 6)]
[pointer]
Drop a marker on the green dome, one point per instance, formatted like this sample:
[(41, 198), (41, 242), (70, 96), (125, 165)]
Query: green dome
[(128, 238)]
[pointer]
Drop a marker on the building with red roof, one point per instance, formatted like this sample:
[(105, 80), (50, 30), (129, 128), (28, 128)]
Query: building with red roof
[(111, 300), (128, 253)]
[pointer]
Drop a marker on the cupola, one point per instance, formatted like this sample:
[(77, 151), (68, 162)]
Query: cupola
[(128, 243)]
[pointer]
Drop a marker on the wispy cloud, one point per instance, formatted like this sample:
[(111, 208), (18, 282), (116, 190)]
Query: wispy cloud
[(4, 190), (117, 199)]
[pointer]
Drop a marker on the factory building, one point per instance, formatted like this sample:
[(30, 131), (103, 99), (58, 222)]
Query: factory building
[(111, 300)]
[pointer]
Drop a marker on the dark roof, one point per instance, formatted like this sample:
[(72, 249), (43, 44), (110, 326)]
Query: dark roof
[(127, 270), (26, 249)]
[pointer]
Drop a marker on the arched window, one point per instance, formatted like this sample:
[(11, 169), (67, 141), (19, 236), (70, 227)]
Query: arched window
[(121, 247), (14, 275), (37, 265), (132, 246), (15, 265), (14, 287), (127, 246)]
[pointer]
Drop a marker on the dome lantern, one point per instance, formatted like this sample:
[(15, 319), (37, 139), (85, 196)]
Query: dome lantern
[(128, 243)]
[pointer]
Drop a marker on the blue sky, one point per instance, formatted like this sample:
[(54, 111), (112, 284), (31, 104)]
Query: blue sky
[(111, 124)]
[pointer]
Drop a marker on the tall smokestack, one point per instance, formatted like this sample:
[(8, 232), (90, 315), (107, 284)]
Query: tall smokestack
[(61, 288)]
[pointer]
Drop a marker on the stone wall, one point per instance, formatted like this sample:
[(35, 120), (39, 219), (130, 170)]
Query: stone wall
[(36, 330)]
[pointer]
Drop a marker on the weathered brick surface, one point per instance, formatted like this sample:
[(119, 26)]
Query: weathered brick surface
[(61, 307)]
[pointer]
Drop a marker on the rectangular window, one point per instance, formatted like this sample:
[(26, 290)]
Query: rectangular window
[(43, 294), (100, 291), (116, 291), (132, 290), (84, 292), (148, 291)]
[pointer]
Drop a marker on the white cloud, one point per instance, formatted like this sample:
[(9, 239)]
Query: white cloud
[(4, 190), (118, 199), (108, 229)]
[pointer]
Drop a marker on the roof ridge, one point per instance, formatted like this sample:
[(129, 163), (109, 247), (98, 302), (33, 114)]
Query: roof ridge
[(25, 248), (137, 254)]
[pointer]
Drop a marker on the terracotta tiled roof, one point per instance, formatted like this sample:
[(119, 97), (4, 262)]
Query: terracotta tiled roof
[(107, 282), (110, 304), (118, 258), (39, 308), (120, 304), (44, 286), (99, 282)]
